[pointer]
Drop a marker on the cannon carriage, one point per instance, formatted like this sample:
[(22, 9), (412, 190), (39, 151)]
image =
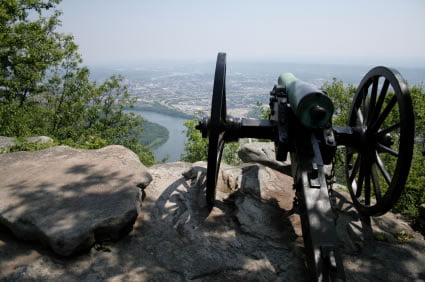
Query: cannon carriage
[(378, 138)]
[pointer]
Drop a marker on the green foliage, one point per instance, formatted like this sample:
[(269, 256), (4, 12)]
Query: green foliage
[(103, 247), (28, 47), (94, 142), (196, 147), (418, 101), (414, 193), (341, 97), (45, 91), (403, 236), (154, 135), (230, 153), (22, 145), (259, 112)]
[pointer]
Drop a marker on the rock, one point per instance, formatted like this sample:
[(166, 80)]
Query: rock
[(68, 198), (6, 143), (252, 234), (247, 235), (387, 239), (356, 230), (39, 140), (372, 244), (263, 153), (257, 183)]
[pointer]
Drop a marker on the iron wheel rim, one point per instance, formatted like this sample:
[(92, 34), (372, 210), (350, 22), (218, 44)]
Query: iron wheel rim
[(367, 173), (216, 128)]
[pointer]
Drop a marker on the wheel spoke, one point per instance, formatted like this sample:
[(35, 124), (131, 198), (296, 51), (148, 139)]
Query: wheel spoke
[(375, 181), (381, 98), (393, 127), (383, 169), (367, 186), (224, 107), (387, 150), (375, 126), (355, 169), (372, 101), (360, 181), (360, 116), (365, 103), (220, 146)]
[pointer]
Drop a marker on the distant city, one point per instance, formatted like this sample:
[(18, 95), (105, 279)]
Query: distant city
[(188, 87), (165, 91)]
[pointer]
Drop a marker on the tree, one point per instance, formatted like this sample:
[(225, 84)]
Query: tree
[(341, 97), (414, 193), (196, 147), (28, 47), (45, 91)]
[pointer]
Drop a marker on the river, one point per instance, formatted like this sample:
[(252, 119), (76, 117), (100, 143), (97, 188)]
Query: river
[(174, 147)]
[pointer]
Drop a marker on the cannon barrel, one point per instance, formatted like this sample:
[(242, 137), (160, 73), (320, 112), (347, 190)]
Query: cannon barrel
[(311, 105)]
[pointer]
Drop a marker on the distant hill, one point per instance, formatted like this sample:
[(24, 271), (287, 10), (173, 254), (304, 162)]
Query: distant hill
[(154, 135), (158, 108)]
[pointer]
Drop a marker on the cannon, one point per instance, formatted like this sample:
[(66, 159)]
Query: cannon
[(378, 141)]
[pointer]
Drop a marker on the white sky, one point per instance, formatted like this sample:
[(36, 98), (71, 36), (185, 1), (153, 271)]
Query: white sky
[(134, 30)]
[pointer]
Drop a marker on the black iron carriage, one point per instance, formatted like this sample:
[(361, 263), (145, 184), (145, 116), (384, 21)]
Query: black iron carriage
[(378, 138)]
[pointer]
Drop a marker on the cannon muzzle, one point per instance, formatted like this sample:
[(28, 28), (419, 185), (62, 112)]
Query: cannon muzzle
[(311, 105)]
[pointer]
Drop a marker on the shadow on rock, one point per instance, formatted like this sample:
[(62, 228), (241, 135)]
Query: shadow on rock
[(245, 237), (383, 248), (252, 234)]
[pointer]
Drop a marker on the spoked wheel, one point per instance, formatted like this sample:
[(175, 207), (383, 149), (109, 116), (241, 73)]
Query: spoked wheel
[(216, 128), (378, 165)]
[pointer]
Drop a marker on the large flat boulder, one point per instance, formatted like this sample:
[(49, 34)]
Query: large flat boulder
[(68, 198), (248, 236)]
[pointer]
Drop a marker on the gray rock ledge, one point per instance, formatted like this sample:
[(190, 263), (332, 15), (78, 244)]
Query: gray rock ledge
[(67, 198), (263, 153)]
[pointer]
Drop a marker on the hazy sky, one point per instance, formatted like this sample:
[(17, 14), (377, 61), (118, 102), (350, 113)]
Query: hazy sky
[(133, 30)]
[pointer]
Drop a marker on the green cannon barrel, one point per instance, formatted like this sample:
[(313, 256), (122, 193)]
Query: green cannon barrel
[(312, 106)]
